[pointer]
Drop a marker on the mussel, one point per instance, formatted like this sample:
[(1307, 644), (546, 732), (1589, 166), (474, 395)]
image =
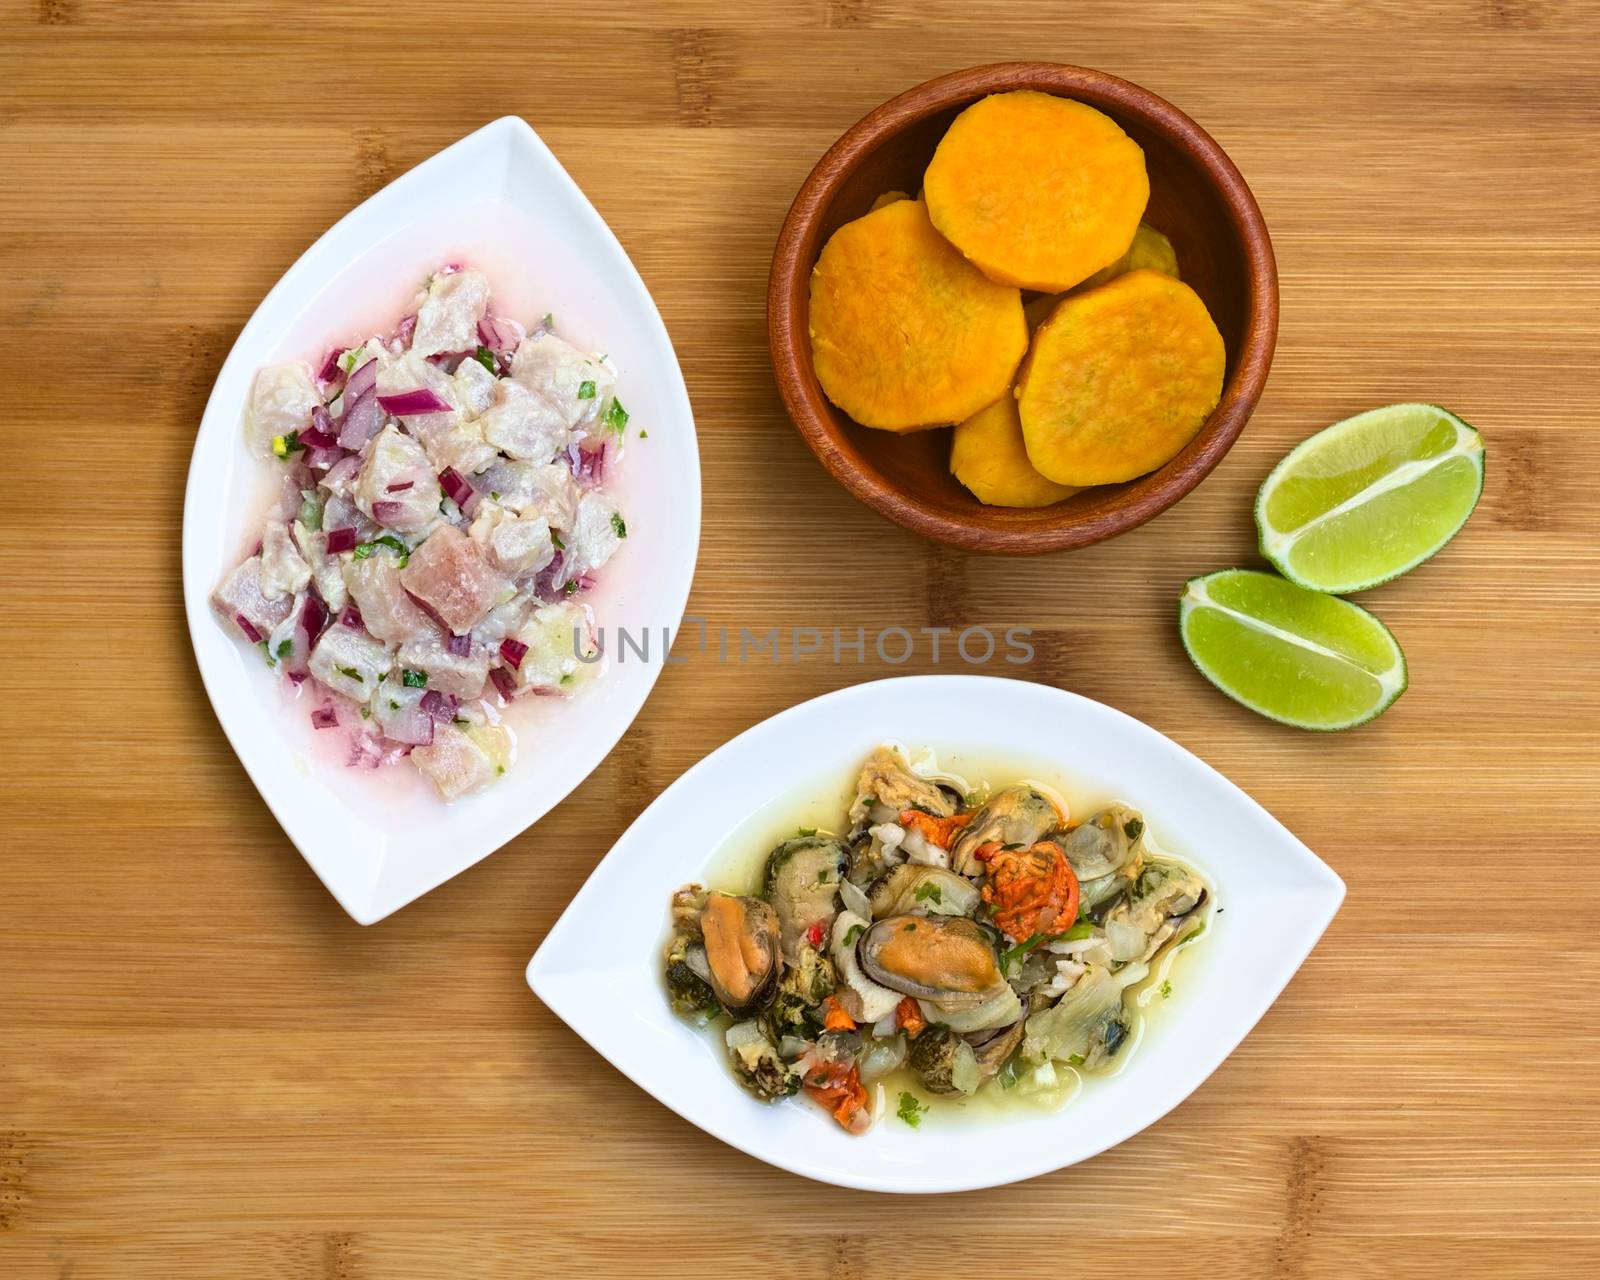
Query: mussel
[(1085, 1027), (758, 1065), (1162, 892), (742, 951), (886, 782), (802, 884), (947, 963), (917, 890), (949, 1063), (1018, 816), (1105, 852)]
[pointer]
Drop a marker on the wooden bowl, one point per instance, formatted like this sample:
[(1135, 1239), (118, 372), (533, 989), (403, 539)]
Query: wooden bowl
[(1197, 197)]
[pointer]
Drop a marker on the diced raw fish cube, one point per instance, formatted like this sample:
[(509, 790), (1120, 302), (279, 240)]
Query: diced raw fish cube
[(461, 675), (561, 375), (349, 661), (450, 574), (284, 570), (461, 760), (459, 445), (326, 572), (562, 653), (520, 423), (240, 596), (397, 487), (386, 610), (408, 371), (448, 318), (398, 712), (546, 490), (514, 545), (505, 620), (280, 402), (594, 536), (474, 387)]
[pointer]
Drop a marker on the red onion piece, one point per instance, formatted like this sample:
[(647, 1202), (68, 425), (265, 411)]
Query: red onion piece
[(500, 335), (404, 330), (314, 617), (316, 438), (341, 540), (456, 488), (330, 365), (350, 617), (513, 651), (460, 646), (325, 459), (412, 726), (384, 511), (342, 472), (441, 706), (363, 380), (325, 717), (248, 627), (362, 420), (295, 677), (401, 487), (422, 400), (588, 464), (547, 586), (504, 682)]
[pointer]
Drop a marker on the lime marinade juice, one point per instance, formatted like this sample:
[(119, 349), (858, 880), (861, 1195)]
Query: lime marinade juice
[(736, 865)]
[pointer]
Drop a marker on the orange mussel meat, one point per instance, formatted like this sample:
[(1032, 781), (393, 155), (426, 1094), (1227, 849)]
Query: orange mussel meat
[(1031, 891)]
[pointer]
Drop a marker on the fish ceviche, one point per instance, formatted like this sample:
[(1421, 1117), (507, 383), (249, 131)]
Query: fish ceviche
[(444, 510), (958, 943)]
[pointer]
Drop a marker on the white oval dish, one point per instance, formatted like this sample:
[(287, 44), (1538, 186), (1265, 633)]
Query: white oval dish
[(498, 200), (1276, 898)]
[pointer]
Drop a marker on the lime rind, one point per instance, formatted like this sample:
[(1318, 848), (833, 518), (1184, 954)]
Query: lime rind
[(1278, 546), (1392, 680)]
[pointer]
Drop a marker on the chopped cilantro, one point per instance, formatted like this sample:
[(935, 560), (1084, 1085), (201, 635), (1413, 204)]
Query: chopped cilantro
[(285, 648), (910, 1110), (351, 672), (549, 321), (499, 770), (1021, 950), (572, 588), (618, 524), (929, 893), (586, 390), (854, 932), (644, 435), (495, 494), (615, 418), (822, 876), (485, 357), (1166, 991), (806, 831), (366, 713), (401, 551), (1133, 828), (393, 705), (413, 679), (1076, 1059), (555, 541), (1083, 929), (567, 679), (283, 446)]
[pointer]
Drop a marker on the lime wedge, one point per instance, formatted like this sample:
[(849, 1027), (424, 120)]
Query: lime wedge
[(1297, 656), (1370, 497)]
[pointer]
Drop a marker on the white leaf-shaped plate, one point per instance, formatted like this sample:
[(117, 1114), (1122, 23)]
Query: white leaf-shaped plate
[(600, 967), (500, 201)]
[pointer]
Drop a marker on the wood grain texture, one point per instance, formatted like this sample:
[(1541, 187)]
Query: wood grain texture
[(206, 1069)]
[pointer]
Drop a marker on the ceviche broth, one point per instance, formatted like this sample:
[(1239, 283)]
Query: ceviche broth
[(897, 1091)]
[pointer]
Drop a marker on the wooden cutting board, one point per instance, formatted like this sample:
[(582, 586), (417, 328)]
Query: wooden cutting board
[(206, 1069)]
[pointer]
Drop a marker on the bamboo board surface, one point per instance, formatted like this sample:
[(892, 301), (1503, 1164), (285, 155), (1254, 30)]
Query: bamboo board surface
[(206, 1069)]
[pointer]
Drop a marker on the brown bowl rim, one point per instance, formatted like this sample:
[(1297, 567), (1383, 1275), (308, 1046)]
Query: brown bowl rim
[(796, 251)]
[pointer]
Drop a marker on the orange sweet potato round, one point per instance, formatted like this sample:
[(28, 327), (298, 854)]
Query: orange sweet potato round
[(905, 332), (1038, 191), (1119, 379), (987, 455), (1149, 249)]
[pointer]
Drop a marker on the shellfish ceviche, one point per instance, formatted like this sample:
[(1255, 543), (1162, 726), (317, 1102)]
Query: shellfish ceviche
[(944, 943)]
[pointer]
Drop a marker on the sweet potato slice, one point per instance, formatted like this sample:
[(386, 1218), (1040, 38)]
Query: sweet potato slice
[(888, 197), (1150, 250), (1119, 379), (905, 332), (1038, 191), (987, 455)]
